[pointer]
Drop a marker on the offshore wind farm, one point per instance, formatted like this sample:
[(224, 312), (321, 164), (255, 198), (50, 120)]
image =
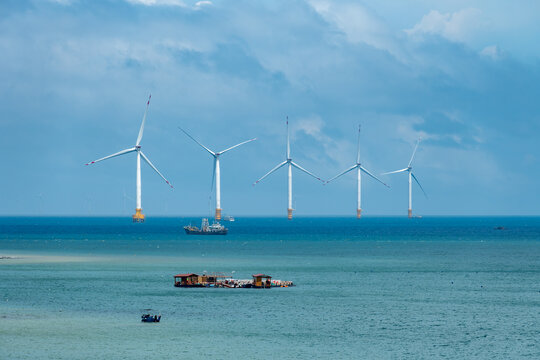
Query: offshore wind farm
[(216, 172), (284, 127)]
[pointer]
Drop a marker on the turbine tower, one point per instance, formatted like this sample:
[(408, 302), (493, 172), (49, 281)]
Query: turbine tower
[(138, 216), (216, 174), (290, 164), (411, 176), (359, 169)]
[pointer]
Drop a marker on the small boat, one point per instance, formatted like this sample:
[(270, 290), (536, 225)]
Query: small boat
[(228, 218), (215, 229), (150, 318)]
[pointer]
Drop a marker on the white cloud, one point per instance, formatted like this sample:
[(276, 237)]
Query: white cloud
[(62, 2), (337, 150), (199, 4), (492, 51), (455, 26), (157, 2), (359, 24)]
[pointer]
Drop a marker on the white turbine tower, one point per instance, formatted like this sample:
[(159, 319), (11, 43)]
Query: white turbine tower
[(359, 169), (216, 174), (138, 216), (290, 164), (411, 176)]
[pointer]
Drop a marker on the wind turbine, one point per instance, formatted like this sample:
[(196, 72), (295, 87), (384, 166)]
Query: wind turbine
[(216, 174), (411, 176), (290, 165), (138, 216), (359, 169)]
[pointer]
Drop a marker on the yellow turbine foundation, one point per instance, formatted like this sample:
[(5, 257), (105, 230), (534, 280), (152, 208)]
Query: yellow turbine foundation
[(410, 213), (289, 214), (358, 213), (218, 214), (138, 216)]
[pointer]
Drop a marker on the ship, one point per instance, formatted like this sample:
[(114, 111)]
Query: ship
[(206, 229), (228, 218)]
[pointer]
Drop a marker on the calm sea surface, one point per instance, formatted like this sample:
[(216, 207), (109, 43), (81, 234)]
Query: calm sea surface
[(378, 288)]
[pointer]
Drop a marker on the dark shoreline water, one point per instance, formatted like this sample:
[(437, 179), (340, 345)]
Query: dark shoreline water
[(88, 235)]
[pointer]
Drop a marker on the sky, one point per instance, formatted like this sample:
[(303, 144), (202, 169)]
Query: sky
[(462, 75)]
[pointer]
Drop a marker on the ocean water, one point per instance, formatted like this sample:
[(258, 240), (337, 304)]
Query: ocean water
[(375, 288)]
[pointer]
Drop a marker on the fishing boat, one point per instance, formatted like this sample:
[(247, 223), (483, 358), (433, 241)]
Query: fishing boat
[(206, 229)]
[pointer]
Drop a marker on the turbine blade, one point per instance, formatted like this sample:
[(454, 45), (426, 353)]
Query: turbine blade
[(304, 170), (395, 172), (204, 147), (373, 176), (141, 130), (232, 147), (288, 142), (358, 146), (155, 169), (414, 152), (111, 156), (418, 182), (271, 171), (343, 173)]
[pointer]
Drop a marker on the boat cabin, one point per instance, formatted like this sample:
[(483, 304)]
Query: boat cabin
[(186, 280), (262, 281), (213, 278)]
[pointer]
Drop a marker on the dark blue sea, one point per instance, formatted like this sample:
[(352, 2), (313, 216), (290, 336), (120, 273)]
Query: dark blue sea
[(375, 288)]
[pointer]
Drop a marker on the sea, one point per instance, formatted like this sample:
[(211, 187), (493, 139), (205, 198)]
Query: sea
[(374, 288)]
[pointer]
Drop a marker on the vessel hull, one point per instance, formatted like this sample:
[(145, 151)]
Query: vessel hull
[(200, 232)]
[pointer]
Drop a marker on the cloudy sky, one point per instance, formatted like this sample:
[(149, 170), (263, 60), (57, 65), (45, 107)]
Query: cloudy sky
[(463, 75)]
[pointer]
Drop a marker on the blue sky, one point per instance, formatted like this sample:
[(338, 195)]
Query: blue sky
[(463, 75)]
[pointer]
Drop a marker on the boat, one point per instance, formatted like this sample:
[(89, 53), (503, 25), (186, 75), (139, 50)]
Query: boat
[(150, 318), (220, 280), (192, 280), (228, 218), (206, 229)]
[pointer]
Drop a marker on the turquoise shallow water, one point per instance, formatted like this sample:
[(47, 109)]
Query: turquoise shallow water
[(387, 288)]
